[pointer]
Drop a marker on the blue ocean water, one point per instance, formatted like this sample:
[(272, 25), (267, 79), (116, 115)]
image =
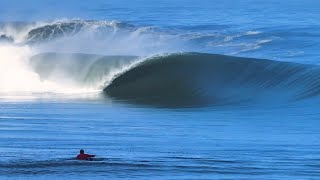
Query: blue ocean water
[(166, 89)]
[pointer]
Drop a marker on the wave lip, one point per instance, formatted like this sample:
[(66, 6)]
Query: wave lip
[(197, 79)]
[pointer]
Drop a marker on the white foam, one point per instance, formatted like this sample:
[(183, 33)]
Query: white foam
[(19, 35), (248, 33), (16, 76), (253, 32), (252, 46)]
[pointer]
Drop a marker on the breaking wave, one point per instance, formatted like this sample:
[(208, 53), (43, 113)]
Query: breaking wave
[(44, 31), (120, 60), (207, 79), (184, 79)]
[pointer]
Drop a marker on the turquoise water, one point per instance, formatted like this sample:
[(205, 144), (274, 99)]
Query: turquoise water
[(115, 78)]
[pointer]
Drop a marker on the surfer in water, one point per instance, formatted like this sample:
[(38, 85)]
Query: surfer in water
[(83, 156)]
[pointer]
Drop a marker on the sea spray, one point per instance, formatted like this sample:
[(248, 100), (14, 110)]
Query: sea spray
[(17, 75)]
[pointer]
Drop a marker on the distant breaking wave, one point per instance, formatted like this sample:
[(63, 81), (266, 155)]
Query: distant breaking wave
[(69, 28), (44, 31), (188, 79)]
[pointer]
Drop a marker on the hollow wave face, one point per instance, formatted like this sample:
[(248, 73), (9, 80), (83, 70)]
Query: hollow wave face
[(178, 80), (196, 79)]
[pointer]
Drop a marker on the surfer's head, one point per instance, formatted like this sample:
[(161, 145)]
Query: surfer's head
[(81, 151)]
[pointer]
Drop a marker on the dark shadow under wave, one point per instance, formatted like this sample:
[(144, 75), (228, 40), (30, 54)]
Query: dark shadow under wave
[(197, 79)]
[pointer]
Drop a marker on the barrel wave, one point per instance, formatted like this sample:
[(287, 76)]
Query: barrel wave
[(184, 79), (196, 79)]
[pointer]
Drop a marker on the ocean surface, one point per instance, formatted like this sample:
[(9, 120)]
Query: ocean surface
[(172, 89)]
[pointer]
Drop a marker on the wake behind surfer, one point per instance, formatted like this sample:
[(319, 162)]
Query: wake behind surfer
[(83, 156)]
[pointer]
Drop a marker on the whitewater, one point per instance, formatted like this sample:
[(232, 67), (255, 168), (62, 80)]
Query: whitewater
[(160, 90)]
